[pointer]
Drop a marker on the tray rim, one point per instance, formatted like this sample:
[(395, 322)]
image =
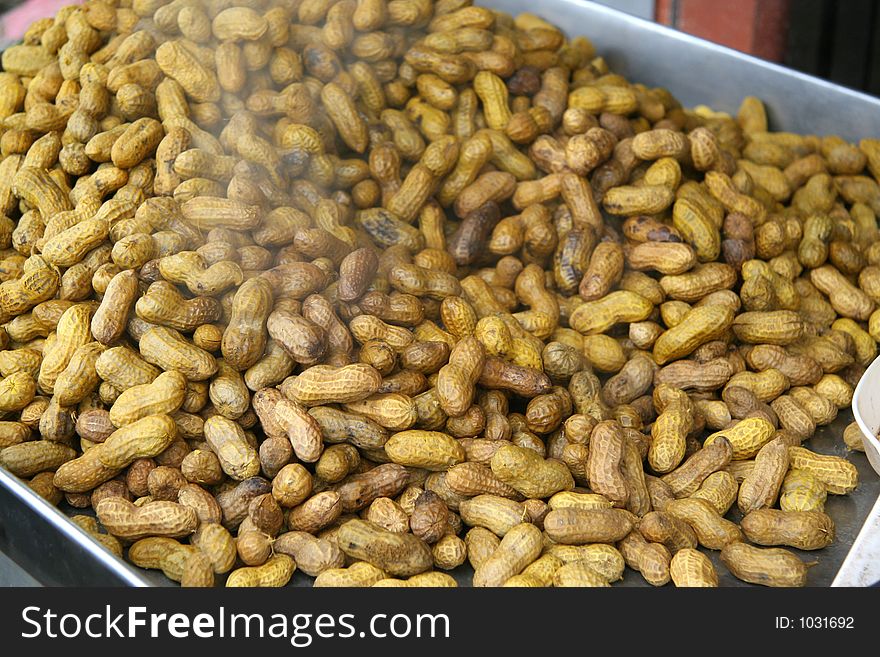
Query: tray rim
[(677, 35), (871, 377), (64, 525)]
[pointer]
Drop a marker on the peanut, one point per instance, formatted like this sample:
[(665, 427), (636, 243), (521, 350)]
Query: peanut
[(519, 547), (761, 486), (572, 526), (227, 440), (713, 531), (129, 522), (276, 572), (720, 489), (30, 458), (457, 379), (323, 384), (177, 561), (690, 568), (801, 491), (165, 394), (675, 534), (527, 472), (747, 437), (805, 530), (765, 566), (603, 468), (652, 560), (401, 554), (837, 474)]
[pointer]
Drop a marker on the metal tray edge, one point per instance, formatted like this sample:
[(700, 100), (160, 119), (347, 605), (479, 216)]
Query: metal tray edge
[(59, 522), (684, 37), (701, 72)]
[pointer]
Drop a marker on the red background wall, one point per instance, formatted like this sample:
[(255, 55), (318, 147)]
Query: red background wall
[(758, 27)]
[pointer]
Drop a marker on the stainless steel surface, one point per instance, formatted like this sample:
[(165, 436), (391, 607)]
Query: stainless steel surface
[(54, 551), (700, 72), (862, 565), (640, 8), (11, 574)]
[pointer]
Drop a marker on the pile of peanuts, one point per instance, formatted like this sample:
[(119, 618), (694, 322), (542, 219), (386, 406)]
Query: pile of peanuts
[(372, 288)]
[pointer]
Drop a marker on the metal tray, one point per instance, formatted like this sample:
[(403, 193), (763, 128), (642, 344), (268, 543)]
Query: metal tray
[(56, 552), (862, 564)]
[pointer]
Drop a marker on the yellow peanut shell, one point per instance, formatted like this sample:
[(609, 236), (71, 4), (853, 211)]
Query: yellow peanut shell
[(396, 554), (746, 437), (837, 474), (525, 470), (227, 439), (691, 568), (431, 450), (276, 572), (765, 566), (698, 326), (519, 547), (598, 316), (165, 394), (324, 384), (127, 521)]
